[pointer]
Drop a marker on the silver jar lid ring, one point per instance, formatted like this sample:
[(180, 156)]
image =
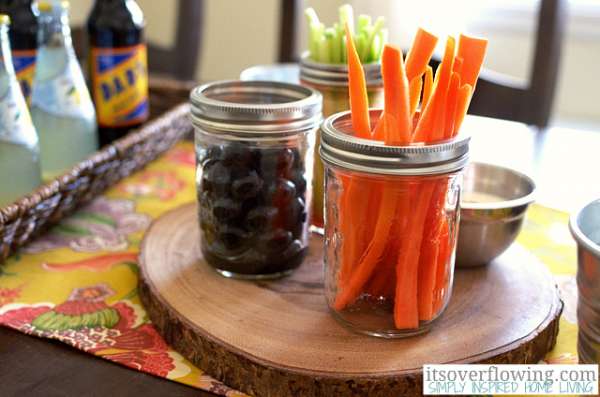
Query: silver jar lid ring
[(255, 107), (339, 147)]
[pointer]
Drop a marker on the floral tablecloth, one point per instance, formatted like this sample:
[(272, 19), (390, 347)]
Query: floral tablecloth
[(78, 283)]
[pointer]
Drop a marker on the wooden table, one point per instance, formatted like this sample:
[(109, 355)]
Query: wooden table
[(565, 164)]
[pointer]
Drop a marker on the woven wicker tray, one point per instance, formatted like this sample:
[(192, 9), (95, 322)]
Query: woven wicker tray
[(34, 213)]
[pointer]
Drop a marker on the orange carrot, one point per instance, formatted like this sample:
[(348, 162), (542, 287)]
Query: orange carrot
[(420, 53), (427, 87), (395, 86), (443, 269), (430, 247), (472, 51), (457, 67), (430, 127), (357, 87), (451, 106), (372, 255), (414, 87), (462, 104), (406, 307)]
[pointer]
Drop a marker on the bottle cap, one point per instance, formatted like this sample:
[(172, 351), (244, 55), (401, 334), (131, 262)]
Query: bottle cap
[(4, 20), (49, 6)]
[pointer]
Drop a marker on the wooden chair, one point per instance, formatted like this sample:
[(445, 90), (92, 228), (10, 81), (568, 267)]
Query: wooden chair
[(497, 95), (179, 61)]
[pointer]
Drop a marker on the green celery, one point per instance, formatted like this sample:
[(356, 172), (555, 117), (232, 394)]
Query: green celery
[(324, 50), (332, 36), (379, 22), (347, 17), (363, 22)]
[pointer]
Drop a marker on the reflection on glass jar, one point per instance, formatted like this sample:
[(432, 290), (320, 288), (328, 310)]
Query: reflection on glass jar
[(390, 229), (332, 82), (254, 145)]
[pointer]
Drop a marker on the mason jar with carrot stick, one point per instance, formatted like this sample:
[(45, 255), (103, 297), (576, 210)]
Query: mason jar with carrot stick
[(392, 188), (323, 67)]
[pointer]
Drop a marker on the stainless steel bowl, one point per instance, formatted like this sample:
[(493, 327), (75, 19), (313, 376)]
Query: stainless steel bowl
[(585, 227), (488, 227)]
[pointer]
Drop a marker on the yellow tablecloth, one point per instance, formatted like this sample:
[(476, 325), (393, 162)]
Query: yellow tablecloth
[(78, 282)]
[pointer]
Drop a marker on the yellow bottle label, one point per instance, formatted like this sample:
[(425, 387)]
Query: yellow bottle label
[(120, 85), (24, 61)]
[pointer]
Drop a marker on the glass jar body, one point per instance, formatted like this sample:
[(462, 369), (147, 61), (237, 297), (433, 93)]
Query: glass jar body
[(253, 202), (335, 100), (390, 245)]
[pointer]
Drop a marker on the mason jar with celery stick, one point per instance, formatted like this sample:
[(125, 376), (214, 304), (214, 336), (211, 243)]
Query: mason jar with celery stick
[(61, 106), (323, 67), (19, 151)]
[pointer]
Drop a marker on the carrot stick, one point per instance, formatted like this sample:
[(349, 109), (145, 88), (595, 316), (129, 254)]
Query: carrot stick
[(472, 51), (395, 86), (443, 269), (363, 270), (462, 104), (379, 130), (406, 308), (415, 86), (430, 127), (430, 247), (359, 106), (357, 87), (451, 105), (427, 87), (457, 67), (420, 53)]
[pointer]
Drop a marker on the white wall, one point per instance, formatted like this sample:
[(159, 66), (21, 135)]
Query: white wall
[(239, 34)]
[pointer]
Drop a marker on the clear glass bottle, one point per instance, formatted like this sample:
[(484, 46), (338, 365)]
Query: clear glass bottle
[(19, 152), (391, 223), (23, 41), (332, 82), (61, 107), (254, 146)]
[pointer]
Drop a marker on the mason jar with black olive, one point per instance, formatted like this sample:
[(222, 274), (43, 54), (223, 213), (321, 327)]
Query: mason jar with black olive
[(254, 149)]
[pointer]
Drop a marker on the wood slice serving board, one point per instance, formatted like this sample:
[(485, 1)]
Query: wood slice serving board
[(278, 339)]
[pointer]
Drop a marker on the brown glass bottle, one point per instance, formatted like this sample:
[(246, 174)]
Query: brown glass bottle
[(23, 40), (118, 67)]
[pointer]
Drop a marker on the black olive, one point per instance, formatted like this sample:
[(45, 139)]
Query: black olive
[(276, 240), (247, 186), (225, 209), (260, 218)]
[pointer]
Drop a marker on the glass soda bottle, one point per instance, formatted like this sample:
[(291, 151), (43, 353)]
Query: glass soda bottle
[(19, 151), (23, 40), (61, 107), (118, 67)]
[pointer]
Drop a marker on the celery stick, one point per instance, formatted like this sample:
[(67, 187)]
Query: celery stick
[(347, 16), (383, 39), (363, 22), (344, 50), (375, 49), (361, 44), (316, 33), (366, 47), (336, 50), (313, 27), (312, 16), (324, 50), (372, 33)]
